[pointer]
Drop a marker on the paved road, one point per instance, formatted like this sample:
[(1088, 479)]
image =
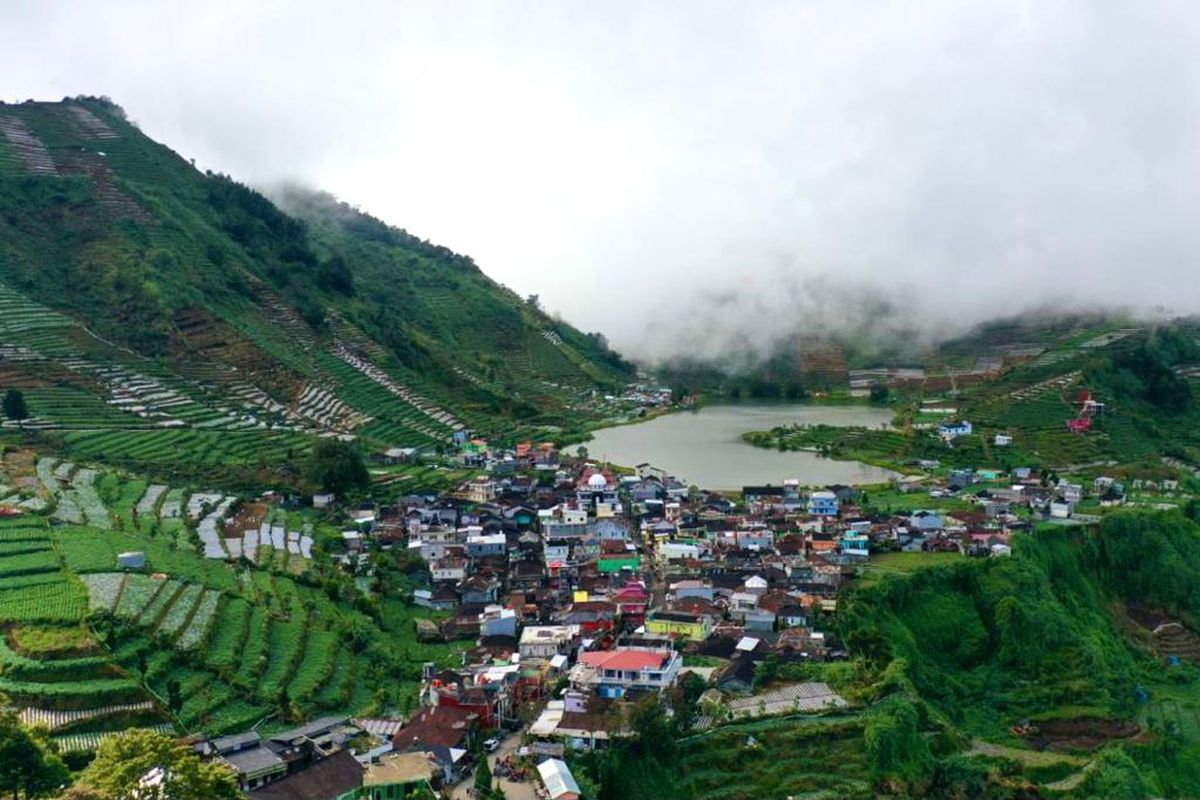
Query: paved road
[(512, 791)]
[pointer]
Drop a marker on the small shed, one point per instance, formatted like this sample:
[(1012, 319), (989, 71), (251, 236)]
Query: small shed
[(135, 559), (560, 783)]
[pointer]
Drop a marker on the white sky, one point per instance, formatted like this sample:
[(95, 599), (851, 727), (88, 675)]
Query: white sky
[(689, 176)]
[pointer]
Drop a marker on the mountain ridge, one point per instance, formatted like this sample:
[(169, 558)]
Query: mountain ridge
[(181, 300)]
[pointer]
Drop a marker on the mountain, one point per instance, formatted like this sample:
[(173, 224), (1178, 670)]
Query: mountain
[(149, 310)]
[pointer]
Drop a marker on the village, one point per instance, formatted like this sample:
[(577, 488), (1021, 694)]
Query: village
[(585, 588)]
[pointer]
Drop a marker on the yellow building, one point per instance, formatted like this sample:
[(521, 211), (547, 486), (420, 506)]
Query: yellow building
[(678, 624)]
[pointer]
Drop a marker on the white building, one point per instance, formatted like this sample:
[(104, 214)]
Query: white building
[(548, 641), (613, 673)]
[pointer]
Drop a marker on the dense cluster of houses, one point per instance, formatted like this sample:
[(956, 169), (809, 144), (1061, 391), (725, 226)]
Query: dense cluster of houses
[(584, 589)]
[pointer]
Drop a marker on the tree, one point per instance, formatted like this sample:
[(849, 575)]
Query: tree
[(767, 671), (122, 761), (1115, 774), (14, 406), (897, 753), (879, 393), (29, 767), (483, 777), (337, 467), (174, 695)]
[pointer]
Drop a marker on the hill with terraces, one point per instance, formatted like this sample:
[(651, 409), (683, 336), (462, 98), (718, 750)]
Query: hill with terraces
[(190, 636), (148, 310), (1085, 392)]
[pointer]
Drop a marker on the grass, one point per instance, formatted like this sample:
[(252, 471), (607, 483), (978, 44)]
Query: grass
[(909, 562), (85, 549), (40, 641), (789, 758)]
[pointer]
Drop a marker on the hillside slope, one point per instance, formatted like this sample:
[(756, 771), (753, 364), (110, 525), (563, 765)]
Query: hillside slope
[(145, 306)]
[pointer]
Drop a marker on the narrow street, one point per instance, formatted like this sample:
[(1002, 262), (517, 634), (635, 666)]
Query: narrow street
[(511, 789)]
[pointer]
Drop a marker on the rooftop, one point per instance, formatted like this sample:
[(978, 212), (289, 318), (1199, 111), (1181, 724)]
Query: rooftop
[(626, 659)]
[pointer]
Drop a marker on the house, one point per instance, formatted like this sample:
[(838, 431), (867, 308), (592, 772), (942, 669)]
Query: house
[(486, 544), (482, 489), (679, 624), (556, 777), (449, 568), (594, 617), (498, 621), (615, 673), (736, 677), (646, 470), (332, 778), (792, 615), (692, 588), (758, 498), (396, 776), (908, 483), (442, 598), (547, 641), (678, 551), (323, 500), (1071, 492), (756, 585), (823, 503), (951, 430), (926, 521), (443, 731), (254, 764), (961, 478), (755, 538), (1061, 508), (632, 600), (609, 564), (1002, 440), (396, 455)]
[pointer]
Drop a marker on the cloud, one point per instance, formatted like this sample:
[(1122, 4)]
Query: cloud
[(689, 175)]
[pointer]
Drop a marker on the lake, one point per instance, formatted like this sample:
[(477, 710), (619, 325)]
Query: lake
[(705, 447)]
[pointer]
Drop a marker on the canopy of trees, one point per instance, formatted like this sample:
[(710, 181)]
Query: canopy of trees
[(337, 467), (123, 761), (29, 765), (14, 405)]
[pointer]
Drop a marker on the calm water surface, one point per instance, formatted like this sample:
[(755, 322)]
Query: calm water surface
[(705, 447)]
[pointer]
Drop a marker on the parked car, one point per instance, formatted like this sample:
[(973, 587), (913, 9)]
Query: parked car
[(491, 745)]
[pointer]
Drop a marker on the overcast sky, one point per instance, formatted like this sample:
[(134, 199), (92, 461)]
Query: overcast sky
[(692, 176)]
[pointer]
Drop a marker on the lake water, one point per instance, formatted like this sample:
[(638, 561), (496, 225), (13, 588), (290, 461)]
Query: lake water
[(705, 447)]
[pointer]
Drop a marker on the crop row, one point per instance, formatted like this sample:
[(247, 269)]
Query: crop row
[(228, 636), (58, 601), (197, 447), (19, 667), (86, 550), (180, 612), (104, 589), (153, 611), (72, 694), (139, 591), (201, 622), (285, 641), (28, 563)]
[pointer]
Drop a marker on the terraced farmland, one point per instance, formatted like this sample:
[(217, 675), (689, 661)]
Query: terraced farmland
[(236, 636)]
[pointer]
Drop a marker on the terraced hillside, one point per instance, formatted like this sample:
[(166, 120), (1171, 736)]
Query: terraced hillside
[(232, 613), (1141, 383), (146, 307)]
